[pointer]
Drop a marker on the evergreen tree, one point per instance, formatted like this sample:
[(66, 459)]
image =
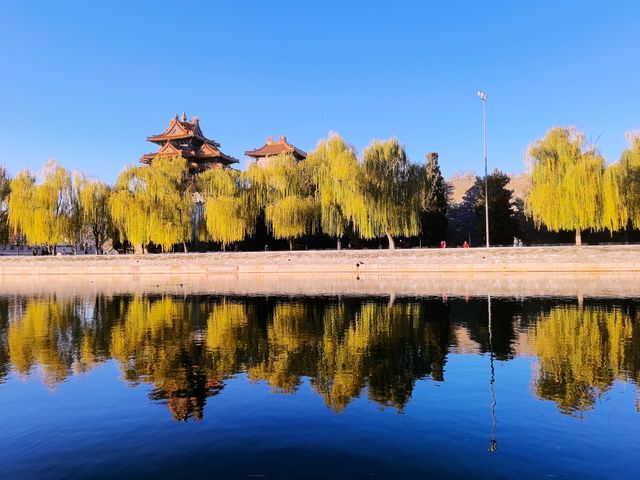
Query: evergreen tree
[(503, 225), (5, 189), (435, 203)]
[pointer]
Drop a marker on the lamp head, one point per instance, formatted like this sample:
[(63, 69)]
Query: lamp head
[(482, 95)]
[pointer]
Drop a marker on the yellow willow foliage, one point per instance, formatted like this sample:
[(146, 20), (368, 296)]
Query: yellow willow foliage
[(226, 332), (37, 339), (391, 189), (284, 188), (280, 177), (218, 182), (569, 189), (341, 374), (335, 168), (21, 201), (42, 212), (615, 215), (349, 359), (154, 203), (226, 220), (292, 217), (234, 338), (93, 197), (291, 343), (630, 184), (152, 337), (230, 211), (580, 353)]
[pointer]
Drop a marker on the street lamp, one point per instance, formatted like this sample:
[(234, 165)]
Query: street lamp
[(483, 97)]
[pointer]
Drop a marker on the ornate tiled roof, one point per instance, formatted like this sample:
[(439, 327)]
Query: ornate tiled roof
[(275, 148), (185, 138)]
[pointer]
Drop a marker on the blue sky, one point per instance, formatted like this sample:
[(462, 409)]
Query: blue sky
[(86, 82)]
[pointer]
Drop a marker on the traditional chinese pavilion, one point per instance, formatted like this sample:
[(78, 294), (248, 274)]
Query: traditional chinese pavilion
[(272, 148), (185, 138)]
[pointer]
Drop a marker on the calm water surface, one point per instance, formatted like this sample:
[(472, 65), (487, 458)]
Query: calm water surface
[(241, 387)]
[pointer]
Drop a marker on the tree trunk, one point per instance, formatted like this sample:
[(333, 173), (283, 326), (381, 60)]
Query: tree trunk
[(184, 246), (578, 237), (580, 301), (392, 244), (291, 244), (339, 244)]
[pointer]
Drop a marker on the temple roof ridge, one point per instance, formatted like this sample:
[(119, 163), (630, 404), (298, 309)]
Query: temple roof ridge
[(185, 138), (272, 147)]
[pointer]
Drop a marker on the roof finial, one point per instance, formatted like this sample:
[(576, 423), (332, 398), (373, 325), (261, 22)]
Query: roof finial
[(283, 139), (184, 116), (269, 140)]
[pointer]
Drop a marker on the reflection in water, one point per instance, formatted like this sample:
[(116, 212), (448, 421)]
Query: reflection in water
[(582, 351), (185, 347), (494, 421)]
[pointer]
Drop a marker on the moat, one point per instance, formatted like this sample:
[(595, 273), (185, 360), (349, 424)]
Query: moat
[(196, 385)]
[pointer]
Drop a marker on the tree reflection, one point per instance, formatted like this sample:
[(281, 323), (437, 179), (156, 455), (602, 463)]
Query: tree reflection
[(4, 351), (154, 343), (186, 347), (582, 351), (56, 335)]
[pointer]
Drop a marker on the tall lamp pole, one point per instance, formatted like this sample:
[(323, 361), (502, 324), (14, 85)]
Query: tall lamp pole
[(483, 97)]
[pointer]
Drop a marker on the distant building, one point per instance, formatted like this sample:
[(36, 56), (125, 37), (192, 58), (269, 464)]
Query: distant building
[(271, 149), (185, 138)]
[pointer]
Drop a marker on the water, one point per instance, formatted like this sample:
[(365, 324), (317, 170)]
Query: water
[(318, 387)]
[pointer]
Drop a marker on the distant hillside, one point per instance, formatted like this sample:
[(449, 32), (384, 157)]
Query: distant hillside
[(461, 182)]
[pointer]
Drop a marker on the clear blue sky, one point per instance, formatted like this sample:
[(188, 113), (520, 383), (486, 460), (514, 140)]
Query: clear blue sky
[(86, 82)]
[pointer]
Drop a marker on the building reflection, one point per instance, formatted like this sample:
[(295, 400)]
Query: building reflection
[(185, 348)]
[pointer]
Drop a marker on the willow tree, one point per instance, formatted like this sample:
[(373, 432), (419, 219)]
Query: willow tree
[(284, 188), (391, 187), (581, 353), (93, 197), (42, 212), (229, 210), (5, 189), (630, 179), (336, 169), (154, 203), (569, 185)]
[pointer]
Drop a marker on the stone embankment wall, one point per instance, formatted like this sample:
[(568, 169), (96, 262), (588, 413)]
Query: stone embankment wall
[(533, 259), (557, 271)]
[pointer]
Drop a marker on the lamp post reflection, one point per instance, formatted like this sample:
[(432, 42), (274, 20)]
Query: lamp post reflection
[(494, 441)]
